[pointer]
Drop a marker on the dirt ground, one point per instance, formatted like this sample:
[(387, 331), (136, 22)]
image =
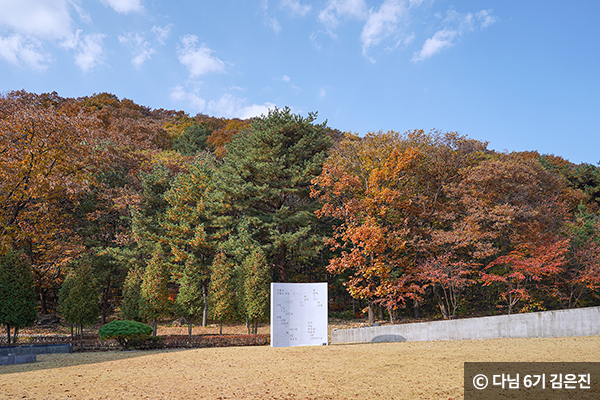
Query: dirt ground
[(408, 370)]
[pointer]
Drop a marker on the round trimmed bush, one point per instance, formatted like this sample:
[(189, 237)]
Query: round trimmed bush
[(125, 333)]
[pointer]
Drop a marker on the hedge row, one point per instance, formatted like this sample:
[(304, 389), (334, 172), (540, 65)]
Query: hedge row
[(158, 342)]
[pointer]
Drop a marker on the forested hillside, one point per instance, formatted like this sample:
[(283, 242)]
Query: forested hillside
[(119, 210)]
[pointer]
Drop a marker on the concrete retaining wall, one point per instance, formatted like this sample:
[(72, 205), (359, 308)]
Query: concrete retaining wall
[(17, 359), (36, 349), (561, 323)]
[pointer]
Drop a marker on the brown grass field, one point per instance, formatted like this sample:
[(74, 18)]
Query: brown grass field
[(409, 370)]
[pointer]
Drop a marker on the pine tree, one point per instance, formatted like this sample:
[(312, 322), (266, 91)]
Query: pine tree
[(265, 181), (79, 298), (155, 302), (192, 139), (222, 291), (17, 296)]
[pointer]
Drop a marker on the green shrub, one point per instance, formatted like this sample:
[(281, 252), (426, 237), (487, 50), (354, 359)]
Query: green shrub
[(126, 333)]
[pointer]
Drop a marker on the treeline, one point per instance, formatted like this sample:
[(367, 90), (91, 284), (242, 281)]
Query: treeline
[(439, 219), (115, 207)]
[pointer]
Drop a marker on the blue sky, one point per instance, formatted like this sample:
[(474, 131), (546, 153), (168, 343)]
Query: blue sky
[(523, 75)]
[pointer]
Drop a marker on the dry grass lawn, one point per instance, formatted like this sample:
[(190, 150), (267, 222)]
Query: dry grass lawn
[(409, 370)]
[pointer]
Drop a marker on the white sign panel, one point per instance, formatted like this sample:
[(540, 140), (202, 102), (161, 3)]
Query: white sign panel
[(298, 314)]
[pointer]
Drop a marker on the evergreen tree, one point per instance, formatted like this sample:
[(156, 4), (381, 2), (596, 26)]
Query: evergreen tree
[(154, 293), (265, 182), (190, 300), (17, 296), (256, 285), (190, 222), (222, 291), (146, 219), (130, 305), (192, 139), (78, 297)]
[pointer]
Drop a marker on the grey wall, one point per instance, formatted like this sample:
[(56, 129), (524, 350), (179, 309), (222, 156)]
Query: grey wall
[(17, 359), (561, 323), (36, 349)]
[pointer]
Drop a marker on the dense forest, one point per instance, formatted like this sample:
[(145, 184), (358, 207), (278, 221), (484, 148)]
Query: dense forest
[(111, 209)]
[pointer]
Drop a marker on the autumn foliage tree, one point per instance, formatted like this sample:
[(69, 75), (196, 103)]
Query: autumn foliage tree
[(432, 214), (389, 193), (48, 148)]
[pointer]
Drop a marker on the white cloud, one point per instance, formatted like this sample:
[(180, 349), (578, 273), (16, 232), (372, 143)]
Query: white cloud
[(124, 6), (89, 51), (272, 23), (383, 23), (234, 107), (162, 33), (295, 7), (40, 18), (19, 51), (142, 49), (440, 41), (285, 78), (35, 22), (198, 61), (339, 9), (84, 16), (486, 18), (141, 46), (322, 93), (180, 95), (227, 105), (457, 24), (269, 20)]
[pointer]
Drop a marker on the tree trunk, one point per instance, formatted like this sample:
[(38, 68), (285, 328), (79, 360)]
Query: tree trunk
[(281, 264), (8, 333), (105, 302), (416, 308), (153, 323), (16, 335), (440, 300), (247, 325), (205, 299), (81, 332), (71, 331), (456, 299), (380, 313), (190, 330), (44, 308), (391, 313), (221, 328), (371, 314)]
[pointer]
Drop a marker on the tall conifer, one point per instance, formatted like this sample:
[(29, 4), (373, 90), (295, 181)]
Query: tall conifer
[(17, 296), (222, 291), (154, 299)]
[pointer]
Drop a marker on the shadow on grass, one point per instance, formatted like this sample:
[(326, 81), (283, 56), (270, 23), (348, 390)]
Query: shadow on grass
[(66, 360)]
